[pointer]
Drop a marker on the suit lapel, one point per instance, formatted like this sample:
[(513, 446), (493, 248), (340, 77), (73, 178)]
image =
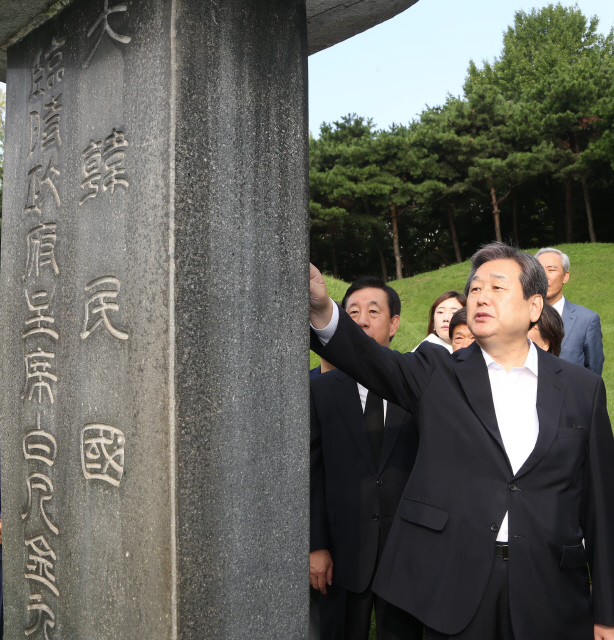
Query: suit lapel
[(395, 419), (346, 395), (472, 373), (569, 318), (550, 394)]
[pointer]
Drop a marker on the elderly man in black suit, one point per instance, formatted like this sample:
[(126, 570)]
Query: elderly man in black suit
[(514, 469), (582, 342), (362, 452)]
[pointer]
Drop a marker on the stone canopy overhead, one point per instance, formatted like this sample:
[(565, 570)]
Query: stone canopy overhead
[(329, 21)]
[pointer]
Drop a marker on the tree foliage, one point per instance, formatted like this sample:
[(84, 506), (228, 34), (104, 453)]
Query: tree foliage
[(526, 154)]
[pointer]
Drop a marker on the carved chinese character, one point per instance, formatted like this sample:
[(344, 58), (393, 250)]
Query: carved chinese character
[(44, 615), (38, 375), (40, 482), (97, 304), (37, 74), (35, 126), (51, 120), (39, 445), (55, 66), (40, 187), (113, 156), (91, 160), (102, 453), (41, 249), (39, 322), (40, 566), (103, 22)]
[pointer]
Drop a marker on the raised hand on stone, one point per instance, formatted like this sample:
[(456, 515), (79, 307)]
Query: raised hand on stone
[(321, 306)]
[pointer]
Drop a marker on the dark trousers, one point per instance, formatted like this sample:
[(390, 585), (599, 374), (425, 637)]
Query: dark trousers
[(345, 615), (492, 620), (314, 614)]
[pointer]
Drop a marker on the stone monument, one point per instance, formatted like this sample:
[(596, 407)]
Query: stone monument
[(153, 321)]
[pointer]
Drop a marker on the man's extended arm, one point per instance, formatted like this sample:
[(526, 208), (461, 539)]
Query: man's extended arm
[(593, 346), (399, 378)]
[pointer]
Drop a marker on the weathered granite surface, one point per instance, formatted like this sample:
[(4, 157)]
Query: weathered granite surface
[(153, 339), (328, 21), (332, 21)]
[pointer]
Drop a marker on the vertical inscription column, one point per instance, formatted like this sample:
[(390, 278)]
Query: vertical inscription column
[(41, 213), (85, 393), (153, 336)]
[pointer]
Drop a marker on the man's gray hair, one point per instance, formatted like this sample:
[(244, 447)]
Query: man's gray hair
[(564, 257), (533, 277)]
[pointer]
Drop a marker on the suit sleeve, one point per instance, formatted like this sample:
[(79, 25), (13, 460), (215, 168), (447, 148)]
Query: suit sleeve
[(593, 346), (318, 537), (598, 514), (399, 378)]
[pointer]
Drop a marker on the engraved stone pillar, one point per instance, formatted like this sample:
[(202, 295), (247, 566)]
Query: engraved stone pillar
[(153, 296)]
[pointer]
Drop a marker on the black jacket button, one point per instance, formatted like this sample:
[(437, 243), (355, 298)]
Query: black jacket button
[(513, 487), (494, 527), (380, 482), (375, 516)]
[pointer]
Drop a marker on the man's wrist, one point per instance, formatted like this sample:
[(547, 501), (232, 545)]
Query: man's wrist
[(320, 319), (328, 330)]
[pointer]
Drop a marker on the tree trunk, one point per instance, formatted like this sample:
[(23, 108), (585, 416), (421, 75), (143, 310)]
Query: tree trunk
[(395, 242), (457, 250), (334, 255), (441, 252), (406, 260), (589, 210), (515, 217), (496, 214), (380, 253), (569, 210)]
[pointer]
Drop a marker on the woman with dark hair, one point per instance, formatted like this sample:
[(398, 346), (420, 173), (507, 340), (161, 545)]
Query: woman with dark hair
[(549, 331), (440, 314)]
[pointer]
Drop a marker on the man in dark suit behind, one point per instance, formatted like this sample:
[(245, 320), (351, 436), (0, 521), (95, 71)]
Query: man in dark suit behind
[(582, 342), (510, 500), (362, 452)]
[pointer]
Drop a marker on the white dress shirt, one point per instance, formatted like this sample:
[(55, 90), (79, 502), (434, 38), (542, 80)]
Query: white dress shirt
[(362, 392), (514, 395), (559, 305), (435, 339)]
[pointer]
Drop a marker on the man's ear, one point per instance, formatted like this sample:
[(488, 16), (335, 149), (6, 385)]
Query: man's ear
[(566, 277), (394, 325), (537, 306)]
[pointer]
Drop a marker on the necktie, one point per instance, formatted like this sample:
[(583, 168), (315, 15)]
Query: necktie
[(374, 420)]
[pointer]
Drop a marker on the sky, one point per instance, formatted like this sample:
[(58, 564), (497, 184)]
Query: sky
[(392, 71)]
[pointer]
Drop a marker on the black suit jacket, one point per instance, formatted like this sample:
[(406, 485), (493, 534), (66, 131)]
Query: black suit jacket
[(439, 553), (352, 502)]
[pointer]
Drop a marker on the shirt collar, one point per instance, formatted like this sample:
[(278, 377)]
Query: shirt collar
[(559, 305), (530, 363)]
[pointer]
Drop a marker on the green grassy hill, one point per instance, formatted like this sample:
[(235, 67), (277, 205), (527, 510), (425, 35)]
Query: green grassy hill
[(590, 285)]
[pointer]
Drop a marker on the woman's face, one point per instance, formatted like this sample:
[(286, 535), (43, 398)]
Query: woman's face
[(443, 314)]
